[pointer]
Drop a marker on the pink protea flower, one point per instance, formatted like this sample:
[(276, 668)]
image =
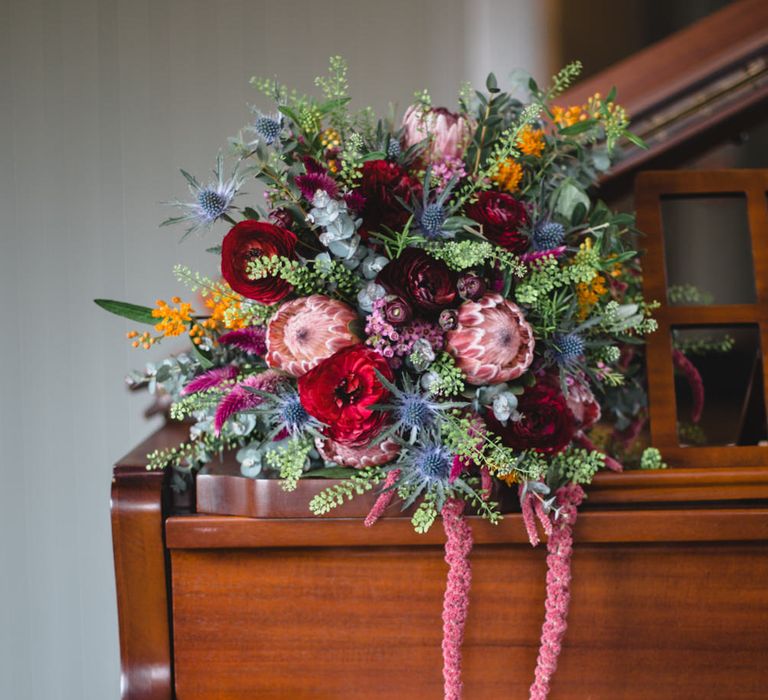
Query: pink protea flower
[(240, 399), (448, 132), (582, 402), (307, 330), (358, 457), (493, 342)]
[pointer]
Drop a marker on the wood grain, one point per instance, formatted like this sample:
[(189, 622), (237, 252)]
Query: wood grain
[(139, 506), (690, 91), (345, 623)]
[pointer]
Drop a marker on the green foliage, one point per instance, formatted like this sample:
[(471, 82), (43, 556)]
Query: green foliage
[(395, 242), (328, 499), (133, 312), (466, 254), (651, 459), (306, 276), (335, 88), (448, 378), (424, 515), (688, 294), (190, 454), (199, 401), (290, 459)]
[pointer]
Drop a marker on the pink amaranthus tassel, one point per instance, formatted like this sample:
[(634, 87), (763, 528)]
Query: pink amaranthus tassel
[(559, 548), (384, 499), (458, 545)]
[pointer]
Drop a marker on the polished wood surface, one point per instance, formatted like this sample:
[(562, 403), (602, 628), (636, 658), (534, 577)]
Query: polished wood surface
[(141, 580), (652, 620), (688, 92), (651, 188)]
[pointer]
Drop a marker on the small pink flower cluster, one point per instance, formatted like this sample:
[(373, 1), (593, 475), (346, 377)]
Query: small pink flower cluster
[(396, 342), (445, 169)]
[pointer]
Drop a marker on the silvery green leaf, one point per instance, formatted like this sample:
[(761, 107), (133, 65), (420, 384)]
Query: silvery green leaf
[(567, 197), (372, 265)]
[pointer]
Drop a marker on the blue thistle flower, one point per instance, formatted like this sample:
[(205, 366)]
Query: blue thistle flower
[(393, 149), (292, 414), (268, 127), (548, 235), (414, 411), (432, 219), (432, 463), (211, 201), (568, 348)]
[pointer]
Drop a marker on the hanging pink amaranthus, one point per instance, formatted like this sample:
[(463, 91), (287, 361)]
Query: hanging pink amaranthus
[(559, 548), (384, 499), (458, 545)]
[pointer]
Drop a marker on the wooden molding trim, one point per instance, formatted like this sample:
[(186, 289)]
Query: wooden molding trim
[(593, 527)]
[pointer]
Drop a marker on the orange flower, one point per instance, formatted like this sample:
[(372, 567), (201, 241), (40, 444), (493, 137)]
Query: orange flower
[(588, 294), (531, 141), (508, 175), (568, 117)]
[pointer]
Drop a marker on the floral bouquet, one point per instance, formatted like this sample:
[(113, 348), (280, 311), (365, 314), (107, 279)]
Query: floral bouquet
[(436, 310)]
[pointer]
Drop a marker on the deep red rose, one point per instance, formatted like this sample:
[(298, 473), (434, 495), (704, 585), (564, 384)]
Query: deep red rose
[(428, 285), (381, 184), (340, 390), (254, 239), (547, 425), (502, 217)]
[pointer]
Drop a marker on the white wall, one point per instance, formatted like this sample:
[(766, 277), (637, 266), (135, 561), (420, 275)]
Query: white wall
[(101, 102)]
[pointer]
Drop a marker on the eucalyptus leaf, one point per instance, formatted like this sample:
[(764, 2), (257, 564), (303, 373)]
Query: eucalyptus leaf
[(578, 127), (204, 361), (567, 197), (133, 312)]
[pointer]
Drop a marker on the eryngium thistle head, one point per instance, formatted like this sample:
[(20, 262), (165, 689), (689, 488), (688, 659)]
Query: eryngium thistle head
[(433, 463), (268, 128), (548, 235), (414, 411), (293, 415), (568, 348), (393, 149), (432, 220), (212, 203)]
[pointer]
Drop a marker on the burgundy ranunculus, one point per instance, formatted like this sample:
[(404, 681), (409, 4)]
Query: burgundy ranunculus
[(546, 425), (247, 241), (340, 390), (381, 184), (428, 285), (502, 217)]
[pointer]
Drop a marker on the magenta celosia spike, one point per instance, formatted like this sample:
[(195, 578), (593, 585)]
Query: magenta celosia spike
[(252, 339), (693, 377), (210, 379), (559, 551), (458, 545), (384, 499)]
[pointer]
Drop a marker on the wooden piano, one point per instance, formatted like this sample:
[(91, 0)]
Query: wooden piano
[(670, 596)]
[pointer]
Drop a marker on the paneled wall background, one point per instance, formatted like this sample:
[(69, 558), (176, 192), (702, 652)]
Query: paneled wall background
[(101, 101)]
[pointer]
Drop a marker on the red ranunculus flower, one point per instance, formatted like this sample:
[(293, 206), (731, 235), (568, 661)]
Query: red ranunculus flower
[(428, 285), (254, 239), (546, 425), (340, 390), (502, 217), (381, 184)]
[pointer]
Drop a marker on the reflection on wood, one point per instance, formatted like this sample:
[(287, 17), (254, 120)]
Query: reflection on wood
[(651, 188)]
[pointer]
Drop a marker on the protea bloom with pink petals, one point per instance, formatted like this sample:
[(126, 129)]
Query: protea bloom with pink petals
[(357, 457), (448, 132), (307, 330), (492, 342)]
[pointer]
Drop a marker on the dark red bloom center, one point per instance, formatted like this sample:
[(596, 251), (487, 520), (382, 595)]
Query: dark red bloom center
[(348, 391)]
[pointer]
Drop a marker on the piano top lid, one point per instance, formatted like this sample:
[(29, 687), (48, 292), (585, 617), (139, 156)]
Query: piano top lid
[(685, 92)]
